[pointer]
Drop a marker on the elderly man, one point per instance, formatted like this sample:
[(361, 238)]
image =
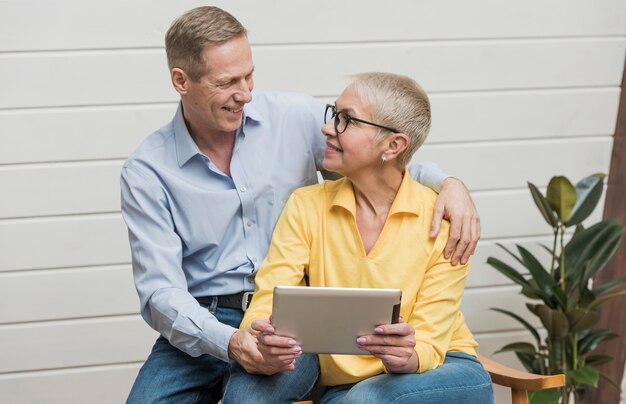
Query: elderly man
[(201, 197)]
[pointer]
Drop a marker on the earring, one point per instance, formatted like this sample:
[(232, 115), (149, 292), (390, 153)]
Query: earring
[(383, 159)]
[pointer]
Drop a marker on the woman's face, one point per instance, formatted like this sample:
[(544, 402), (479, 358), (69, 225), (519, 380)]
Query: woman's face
[(354, 149)]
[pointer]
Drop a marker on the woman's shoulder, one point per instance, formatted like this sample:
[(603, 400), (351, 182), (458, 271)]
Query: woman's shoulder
[(422, 194)]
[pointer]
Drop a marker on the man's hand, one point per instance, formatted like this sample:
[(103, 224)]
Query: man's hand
[(280, 352), (242, 347), (455, 204), (394, 345)]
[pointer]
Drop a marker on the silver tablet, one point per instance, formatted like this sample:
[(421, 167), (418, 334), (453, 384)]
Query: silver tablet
[(329, 320)]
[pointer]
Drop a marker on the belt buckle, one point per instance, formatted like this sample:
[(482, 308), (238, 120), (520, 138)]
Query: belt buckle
[(245, 300)]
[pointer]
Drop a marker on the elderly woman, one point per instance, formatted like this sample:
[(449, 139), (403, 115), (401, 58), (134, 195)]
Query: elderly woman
[(369, 229)]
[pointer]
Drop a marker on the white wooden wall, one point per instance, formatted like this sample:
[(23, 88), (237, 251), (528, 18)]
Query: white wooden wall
[(521, 91)]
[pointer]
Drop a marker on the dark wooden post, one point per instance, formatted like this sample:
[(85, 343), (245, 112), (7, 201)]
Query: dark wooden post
[(613, 314)]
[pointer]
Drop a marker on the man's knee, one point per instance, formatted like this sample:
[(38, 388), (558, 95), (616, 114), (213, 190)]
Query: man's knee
[(294, 385)]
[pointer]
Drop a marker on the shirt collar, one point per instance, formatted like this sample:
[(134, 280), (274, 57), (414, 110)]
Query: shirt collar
[(250, 111), (406, 201), (186, 148)]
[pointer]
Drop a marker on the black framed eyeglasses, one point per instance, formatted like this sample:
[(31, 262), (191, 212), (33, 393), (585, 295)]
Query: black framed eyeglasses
[(342, 120)]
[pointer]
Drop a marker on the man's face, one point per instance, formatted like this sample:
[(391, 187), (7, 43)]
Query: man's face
[(215, 102)]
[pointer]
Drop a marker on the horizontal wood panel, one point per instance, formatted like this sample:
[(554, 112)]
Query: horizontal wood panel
[(111, 383), (60, 189), (93, 187), (304, 21), (447, 66), (70, 293), (477, 303), (66, 134), (514, 214), (467, 117), (502, 165), (63, 242), (102, 239), (140, 76), (53, 345), (102, 384)]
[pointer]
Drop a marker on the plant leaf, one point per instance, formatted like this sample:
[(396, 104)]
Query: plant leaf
[(524, 347), (539, 274), (530, 362), (533, 308), (586, 375), (596, 360), (586, 298), (561, 196), (554, 321), (609, 286), (605, 298), (547, 396), (589, 340), (573, 298), (543, 205), (603, 248), (525, 323), (579, 228), (589, 250), (508, 271), (580, 319), (560, 296), (588, 193), (518, 259), (532, 293)]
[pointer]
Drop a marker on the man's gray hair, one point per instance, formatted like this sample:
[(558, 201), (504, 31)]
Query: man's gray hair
[(190, 33), (397, 102)]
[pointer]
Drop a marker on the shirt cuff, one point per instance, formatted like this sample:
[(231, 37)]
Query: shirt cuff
[(218, 346)]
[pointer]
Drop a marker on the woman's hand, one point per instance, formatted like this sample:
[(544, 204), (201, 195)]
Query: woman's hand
[(394, 345), (279, 352)]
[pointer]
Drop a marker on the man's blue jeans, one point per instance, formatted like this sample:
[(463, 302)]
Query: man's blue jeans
[(169, 375), (460, 380), (281, 388)]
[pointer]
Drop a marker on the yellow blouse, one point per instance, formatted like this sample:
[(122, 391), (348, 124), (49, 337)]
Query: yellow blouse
[(317, 236)]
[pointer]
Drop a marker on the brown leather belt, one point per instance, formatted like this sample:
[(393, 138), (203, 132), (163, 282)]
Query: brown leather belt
[(239, 301)]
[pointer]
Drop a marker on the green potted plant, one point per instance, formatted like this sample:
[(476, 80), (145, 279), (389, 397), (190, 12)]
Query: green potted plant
[(562, 295)]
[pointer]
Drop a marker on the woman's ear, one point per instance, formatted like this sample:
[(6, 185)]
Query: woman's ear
[(396, 144), (180, 80)]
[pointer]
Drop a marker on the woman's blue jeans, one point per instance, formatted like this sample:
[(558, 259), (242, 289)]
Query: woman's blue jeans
[(461, 379)]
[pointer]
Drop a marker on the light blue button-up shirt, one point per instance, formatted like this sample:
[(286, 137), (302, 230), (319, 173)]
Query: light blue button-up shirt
[(196, 232)]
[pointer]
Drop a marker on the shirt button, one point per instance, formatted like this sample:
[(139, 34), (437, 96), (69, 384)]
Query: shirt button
[(249, 223), (242, 189), (254, 259)]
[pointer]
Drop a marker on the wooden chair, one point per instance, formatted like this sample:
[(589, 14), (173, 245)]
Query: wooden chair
[(519, 382)]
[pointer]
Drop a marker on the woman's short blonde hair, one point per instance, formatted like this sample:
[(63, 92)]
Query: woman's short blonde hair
[(190, 33), (397, 102)]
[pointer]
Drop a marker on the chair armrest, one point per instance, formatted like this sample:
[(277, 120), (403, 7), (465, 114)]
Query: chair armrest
[(515, 379)]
